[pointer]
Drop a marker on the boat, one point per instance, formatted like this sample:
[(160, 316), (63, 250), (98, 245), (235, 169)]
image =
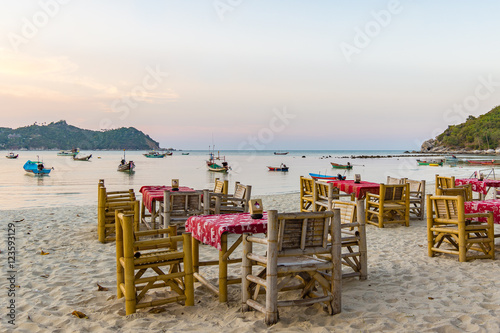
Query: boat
[(431, 163), (341, 166), (82, 158), (126, 166), (72, 152), (12, 156), (451, 159), (185, 153), (483, 162), (155, 154), (281, 153), (282, 167), (326, 177), (36, 168), (169, 153), (216, 164)]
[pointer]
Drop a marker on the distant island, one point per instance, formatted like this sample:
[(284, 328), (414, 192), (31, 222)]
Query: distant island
[(475, 135), (60, 135)]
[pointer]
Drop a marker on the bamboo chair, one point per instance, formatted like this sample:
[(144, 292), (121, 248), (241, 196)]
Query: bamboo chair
[(235, 203), (465, 191), (393, 180), (444, 182), (292, 241), (448, 224), (417, 198), (177, 207), (306, 194), (107, 203), (392, 205), (324, 194), (145, 265), (353, 238)]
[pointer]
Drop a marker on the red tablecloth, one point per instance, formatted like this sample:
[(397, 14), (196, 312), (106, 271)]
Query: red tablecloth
[(481, 186), (359, 189), (484, 206), (150, 193), (208, 229)]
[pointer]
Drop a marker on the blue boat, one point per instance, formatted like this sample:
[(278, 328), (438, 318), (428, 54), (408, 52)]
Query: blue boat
[(36, 167), (326, 177)]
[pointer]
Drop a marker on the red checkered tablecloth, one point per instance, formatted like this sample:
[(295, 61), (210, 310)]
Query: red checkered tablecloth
[(484, 206), (481, 186), (150, 193), (359, 189), (208, 229)]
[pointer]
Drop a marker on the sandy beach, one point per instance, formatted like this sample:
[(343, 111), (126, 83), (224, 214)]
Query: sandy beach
[(406, 291)]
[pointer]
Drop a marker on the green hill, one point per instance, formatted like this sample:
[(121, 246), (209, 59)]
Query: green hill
[(479, 133), (60, 135)]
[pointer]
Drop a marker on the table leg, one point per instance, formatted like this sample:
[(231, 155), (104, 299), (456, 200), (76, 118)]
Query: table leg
[(223, 270), (363, 257)]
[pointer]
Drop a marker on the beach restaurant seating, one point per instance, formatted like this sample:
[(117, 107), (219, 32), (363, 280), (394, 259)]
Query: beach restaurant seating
[(451, 231), (353, 238), (143, 266), (391, 205), (306, 194), (445, 183), (107, 203), (393, 180), (289, 263), (177, 207), (235, 203), (417, 198)]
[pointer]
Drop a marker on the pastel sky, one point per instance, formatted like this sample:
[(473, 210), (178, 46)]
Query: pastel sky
[(261, 74)]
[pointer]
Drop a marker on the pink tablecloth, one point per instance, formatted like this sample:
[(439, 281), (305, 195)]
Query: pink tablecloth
[(150, 193), (481, 186), (208, 229), (359, 189), (484, 206)]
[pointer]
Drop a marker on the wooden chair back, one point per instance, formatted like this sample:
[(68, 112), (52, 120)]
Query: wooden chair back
[(135, 256), (177, 207), (417, 197), (393, 180), (394, 192), (306, 194), (221, 186), (297, 232), (444, 182), (348, 211), (464, 190)]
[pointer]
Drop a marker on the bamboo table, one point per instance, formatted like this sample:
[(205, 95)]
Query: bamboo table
[(150, 196), (480, 186), (213, 230)]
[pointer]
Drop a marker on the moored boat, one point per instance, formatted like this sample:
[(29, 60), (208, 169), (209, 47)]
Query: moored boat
[(281, 153), (12, 156), (82, 158), (431, 162), (341, 166), (185, 153), (36, 168), (483, 162), (216, 164), (72, 152), (155, 154), (126, 166), (282, 167), (326, 177)]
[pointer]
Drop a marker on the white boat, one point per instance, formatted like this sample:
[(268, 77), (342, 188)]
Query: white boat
[(72, 152)]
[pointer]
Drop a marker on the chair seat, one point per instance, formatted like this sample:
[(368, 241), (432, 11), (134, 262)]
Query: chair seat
[(301, 262), (157, 257)]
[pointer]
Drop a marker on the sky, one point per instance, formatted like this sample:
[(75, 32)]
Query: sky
[(252, 74)]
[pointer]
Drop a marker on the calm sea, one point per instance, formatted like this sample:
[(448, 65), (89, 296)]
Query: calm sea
[(75, 182)]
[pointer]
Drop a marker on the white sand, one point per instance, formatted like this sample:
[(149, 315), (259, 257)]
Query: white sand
[(406, 290)]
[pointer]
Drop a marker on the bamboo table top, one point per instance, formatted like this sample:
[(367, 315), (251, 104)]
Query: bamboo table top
[(484, 206), (208, 229), (481, 186), (358, 189), (155, 193)]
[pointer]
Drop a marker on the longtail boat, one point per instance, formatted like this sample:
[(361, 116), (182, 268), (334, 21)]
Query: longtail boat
[(12, 156), (281, 153), (326, 177), (72, 152), (483, 162), (125, 166), (280, 168), (431, 163), (82, 158), (214, 166), (341, 166), (36, 168), (154, 154)]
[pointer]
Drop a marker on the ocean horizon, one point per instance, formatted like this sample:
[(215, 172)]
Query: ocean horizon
[(75, 182)]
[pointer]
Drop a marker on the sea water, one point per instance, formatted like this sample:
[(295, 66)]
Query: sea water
[(75, 182)]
